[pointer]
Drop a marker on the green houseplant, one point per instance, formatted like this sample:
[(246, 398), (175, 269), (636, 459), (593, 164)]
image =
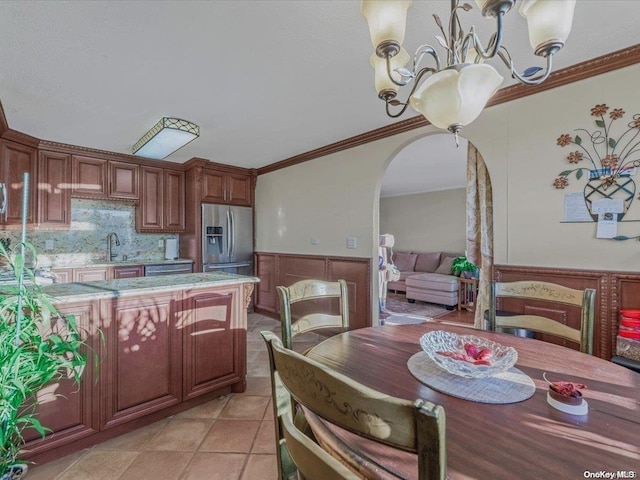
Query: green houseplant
[(37, 346), (461, 265)]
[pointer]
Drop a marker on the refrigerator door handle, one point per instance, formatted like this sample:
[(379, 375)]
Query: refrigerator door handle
[(228, 252), (232, 248)]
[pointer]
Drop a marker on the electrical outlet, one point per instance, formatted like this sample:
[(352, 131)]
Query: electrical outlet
[(315, 241), (352, 242), (48, 245)]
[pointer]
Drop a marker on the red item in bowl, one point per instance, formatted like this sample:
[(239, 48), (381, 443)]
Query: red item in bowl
[(630, 322), (630, 313), (629, 333)]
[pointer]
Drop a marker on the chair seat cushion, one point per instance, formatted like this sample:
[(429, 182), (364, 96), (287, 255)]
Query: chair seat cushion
[(433, 281)]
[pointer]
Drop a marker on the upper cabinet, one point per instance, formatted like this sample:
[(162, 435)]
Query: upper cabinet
[(53, 193), (15, 160), (225, 187), (162, 200), (104, 179)]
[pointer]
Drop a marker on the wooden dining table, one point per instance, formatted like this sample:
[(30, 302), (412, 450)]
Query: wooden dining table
[(528, 439)]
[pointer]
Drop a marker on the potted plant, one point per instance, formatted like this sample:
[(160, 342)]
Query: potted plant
[(461, 266), (37, 346)]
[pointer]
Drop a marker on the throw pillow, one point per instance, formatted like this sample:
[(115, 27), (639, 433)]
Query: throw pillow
[(404, 261), (427, 262), (445, 266)]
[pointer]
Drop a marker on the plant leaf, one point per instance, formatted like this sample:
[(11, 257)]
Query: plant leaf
[(578, 140), (437, 19), (531, 71), (466, 7), (442, 42), (405, 72), (612, 143), (579, 174), (565, 173), (620, 237), (600, 123)]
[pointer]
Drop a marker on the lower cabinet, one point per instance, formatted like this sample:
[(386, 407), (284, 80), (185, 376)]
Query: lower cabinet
[(154, 352), (141, 365), (130, 271), (213, 353), (69, 410)]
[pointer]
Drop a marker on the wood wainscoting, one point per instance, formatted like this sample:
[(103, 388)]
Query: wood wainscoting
[(275, 269), (614, 291)]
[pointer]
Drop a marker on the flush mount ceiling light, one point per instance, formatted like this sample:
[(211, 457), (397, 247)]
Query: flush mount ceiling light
[(165, 137), (453, 94)]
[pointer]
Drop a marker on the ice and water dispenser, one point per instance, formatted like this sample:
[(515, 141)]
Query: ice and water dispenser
[(214, 241)]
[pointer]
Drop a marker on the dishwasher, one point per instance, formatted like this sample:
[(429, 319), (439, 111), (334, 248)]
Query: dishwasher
[(167, 269)]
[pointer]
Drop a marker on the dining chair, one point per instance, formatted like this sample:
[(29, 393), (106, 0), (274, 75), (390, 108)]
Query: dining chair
[(534, 320), (311, 460), (417, 427), (312, 291)]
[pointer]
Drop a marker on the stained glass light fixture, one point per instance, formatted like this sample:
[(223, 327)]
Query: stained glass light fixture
[(165, 137), (452, 94)]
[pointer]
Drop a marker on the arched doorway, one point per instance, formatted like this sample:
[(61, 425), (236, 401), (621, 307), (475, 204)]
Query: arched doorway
[(425, 203)]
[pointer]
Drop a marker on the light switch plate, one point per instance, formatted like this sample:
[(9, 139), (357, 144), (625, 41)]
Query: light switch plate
[(352, 242), (48, 245), (315, 241), (160, 243)]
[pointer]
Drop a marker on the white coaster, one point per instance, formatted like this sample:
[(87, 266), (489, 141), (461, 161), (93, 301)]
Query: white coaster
[(581, 409)]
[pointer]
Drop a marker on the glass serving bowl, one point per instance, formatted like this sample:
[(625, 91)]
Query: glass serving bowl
[(502, 358)]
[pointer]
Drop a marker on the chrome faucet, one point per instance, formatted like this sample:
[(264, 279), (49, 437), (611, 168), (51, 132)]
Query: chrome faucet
[(110, 254)]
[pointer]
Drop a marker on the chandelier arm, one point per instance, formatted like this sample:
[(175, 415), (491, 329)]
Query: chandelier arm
[(423, 50), (533, 81), (404, 108), (495, 42), (417, 79)]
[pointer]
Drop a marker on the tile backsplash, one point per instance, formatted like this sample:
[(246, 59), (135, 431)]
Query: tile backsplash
[(86, 241)]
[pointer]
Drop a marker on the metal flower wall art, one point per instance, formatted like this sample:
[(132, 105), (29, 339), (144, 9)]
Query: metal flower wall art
[(608, 155)]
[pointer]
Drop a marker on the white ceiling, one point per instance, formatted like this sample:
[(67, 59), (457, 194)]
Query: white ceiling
[(264, 80)]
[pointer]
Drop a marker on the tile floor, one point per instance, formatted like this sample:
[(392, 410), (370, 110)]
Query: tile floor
[(229, 438)]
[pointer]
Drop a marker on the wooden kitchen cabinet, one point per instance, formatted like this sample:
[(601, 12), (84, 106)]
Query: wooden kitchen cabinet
[(225, 187), (69, 410), (63, 275), (123, 180), (53, 193), (162, 203), (141, 368), (213, 351), (129, 271), (91, 274), (15, 160), (104, 179)]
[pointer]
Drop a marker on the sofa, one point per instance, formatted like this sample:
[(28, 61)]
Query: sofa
[(426, 277)]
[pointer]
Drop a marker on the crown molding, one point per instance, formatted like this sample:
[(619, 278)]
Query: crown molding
[(590, 68)]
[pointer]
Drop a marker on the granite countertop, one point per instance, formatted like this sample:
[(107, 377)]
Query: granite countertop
[(85, 291)]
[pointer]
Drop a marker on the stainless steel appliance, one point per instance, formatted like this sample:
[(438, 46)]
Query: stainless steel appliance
[(227, 239), (167, 269)]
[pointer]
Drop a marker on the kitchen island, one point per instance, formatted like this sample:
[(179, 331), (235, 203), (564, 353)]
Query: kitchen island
[(163, 344)]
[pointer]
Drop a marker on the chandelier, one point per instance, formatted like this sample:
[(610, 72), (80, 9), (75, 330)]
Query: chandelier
[(451, 95)]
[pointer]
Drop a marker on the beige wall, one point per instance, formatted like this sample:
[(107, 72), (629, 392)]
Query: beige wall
[(426, 222), (337, 195)]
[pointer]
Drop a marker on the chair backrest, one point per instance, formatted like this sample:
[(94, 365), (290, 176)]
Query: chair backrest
[(417, 427), (307, 291), (547, 292), (311, 460)]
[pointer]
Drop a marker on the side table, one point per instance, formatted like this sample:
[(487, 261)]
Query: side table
[(467, 292)]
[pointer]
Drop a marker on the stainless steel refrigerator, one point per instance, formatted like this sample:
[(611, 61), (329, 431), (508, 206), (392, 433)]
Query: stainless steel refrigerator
[(227, 239)]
